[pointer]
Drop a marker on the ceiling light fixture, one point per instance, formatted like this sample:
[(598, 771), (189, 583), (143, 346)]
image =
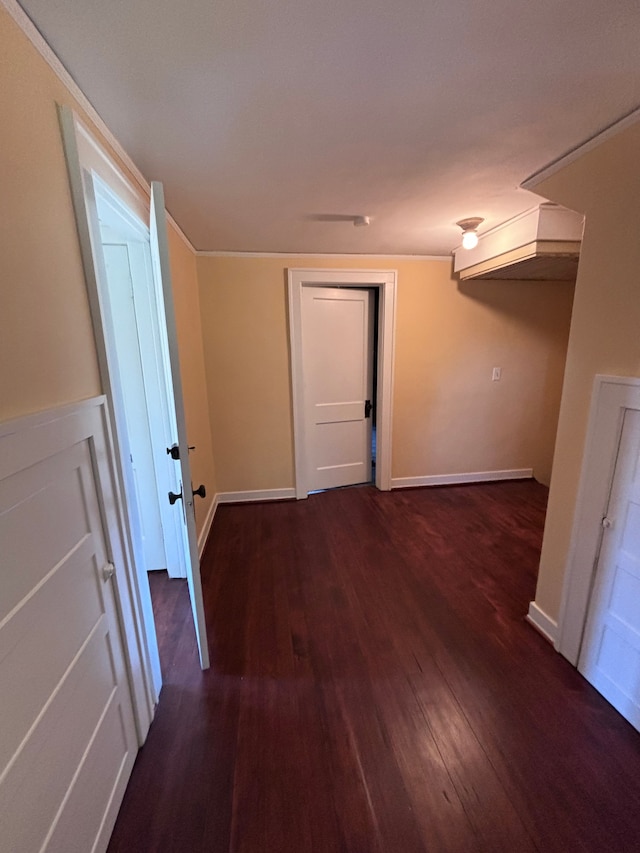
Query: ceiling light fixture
[(470, 231), (361, 220)]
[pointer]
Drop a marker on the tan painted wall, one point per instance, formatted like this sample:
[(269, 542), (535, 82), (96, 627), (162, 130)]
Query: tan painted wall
[(47, 348), (605, 331), (187, 308), (47, 351), (448, 416)]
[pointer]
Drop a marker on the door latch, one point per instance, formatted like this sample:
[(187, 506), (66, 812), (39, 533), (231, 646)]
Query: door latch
[(174, 451), (368, 406)]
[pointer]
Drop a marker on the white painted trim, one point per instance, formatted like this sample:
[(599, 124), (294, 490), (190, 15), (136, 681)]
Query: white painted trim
[(575, 153), (454, 479), (611, 396), (93, 265), (208, 523), (543, 623), (54, 430), (311, 255), (386, 282), (20, 17), (256, 495)]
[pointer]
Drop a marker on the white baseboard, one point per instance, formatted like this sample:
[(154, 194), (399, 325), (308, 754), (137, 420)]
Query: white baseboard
[(544, 624), (256, 495), (458, 479), (206, 527)]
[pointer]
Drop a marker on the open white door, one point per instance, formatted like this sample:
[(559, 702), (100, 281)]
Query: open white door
[(160, 259)]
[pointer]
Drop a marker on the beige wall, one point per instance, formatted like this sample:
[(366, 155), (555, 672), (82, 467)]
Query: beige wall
[(448, 417), (187, 308), (605, 329), (47, 348)]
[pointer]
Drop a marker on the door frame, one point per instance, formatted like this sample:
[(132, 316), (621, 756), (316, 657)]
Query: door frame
[(83, 153), (385, 282), (611, 397)]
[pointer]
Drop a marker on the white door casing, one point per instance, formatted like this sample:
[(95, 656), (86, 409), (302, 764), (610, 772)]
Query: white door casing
[(337, 365), (87, 164), (610, 655), (162, 271), (385, 282), (85, 158), (69, 636)]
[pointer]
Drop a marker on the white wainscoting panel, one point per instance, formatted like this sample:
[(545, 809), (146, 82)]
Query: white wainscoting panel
[(68, 736)]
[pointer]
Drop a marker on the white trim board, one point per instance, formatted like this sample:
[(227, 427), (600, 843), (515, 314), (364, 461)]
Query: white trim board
[(569, 157), (386, 283), (460, 479), (254, 495), (220, 253), (543, 623), (611, 396), (208, 523)]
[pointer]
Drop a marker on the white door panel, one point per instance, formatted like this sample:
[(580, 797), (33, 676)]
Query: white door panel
[(121, 298), (610, 657), (63, 679), (337, 355)]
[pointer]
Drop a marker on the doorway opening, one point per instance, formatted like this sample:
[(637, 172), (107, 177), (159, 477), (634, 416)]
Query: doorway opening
[(143, 400), (382, 284), (124, 248)]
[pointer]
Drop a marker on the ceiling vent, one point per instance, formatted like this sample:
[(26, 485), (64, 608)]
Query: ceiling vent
[(542, 244)]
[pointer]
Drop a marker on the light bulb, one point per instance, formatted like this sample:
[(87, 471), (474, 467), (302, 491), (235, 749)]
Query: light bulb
[(469, 239)]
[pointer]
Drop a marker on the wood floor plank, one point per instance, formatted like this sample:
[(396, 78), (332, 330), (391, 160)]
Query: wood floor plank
[(375, 689)]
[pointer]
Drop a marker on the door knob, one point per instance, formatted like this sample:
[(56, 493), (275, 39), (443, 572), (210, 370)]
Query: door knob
[(201, 492), (173, 497)]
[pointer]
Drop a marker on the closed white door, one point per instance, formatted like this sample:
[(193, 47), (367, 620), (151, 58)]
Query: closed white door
[(67, 732), (337, 356), (610, 656)]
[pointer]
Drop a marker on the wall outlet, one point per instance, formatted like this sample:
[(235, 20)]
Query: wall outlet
[(496, 374)]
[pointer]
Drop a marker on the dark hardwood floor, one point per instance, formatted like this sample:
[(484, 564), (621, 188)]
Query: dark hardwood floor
[(374, 687)]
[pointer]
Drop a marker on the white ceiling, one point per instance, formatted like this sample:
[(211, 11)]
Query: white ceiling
[(269, 119)]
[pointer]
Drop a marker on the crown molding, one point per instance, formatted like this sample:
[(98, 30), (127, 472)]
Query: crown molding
[(223, 254), (33, 34), (569, 157)]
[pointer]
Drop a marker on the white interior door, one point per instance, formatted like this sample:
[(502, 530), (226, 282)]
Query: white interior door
[(67, 736), (610, 656), (184, 506), (337, 359)]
